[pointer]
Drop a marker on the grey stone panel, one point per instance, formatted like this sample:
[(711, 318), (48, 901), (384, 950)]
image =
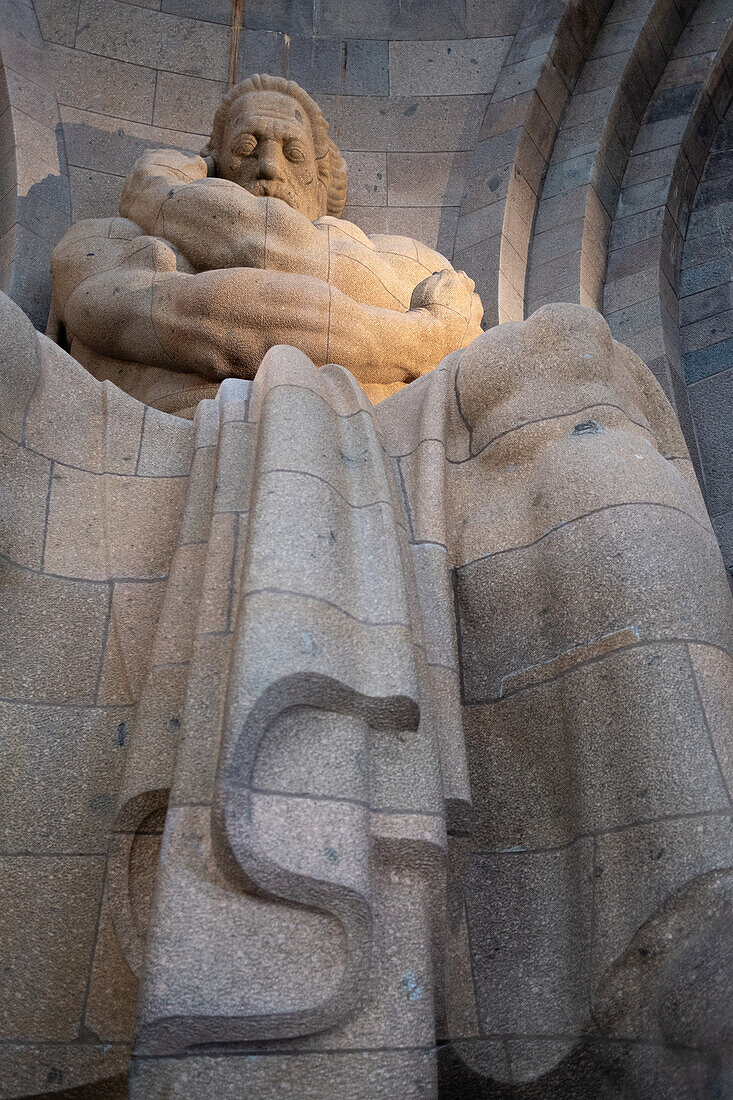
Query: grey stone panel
[(708, 361), (321, 65), (213, 11), (186, 103), (151, 38), (404, 123), (94, 194), (389, 19), (566, 757), (409, 1075), (723, 525), (49, 660), (711, 401), (535, 620), (112, 87), (446, 68), (529, 920), (44, 969), (57, 20), (62, 771), (104, 145), (645, 865)]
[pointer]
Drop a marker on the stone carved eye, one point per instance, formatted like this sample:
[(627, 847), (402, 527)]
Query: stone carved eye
[(294, 152), (244, 146)]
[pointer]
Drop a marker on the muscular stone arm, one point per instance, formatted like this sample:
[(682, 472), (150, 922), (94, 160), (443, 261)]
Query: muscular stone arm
[(217, 224), (127, 299)]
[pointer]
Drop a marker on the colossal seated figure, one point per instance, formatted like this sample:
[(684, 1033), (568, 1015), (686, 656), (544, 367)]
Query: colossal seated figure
[(365, 740), (256, 224)]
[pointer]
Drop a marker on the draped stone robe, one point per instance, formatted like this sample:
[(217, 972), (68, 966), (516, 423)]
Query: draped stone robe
[(363, 751)]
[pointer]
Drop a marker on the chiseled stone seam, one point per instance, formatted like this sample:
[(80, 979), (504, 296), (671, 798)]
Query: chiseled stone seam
[(489, 700)]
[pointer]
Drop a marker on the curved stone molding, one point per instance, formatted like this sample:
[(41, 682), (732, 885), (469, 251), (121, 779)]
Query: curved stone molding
[(35, 204), (514, 147), (599, 127), (641, 297)]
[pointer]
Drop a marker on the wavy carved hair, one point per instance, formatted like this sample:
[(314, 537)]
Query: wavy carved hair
[(331, 166)]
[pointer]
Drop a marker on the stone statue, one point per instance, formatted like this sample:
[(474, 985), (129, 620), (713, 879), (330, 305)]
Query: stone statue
[(267, 272), (356, 749)]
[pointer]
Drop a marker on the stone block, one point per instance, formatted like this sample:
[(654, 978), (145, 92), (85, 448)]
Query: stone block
[(710, 401), (212, 11), (529, 790), (617, 37), (165, 448), (643, 226), (708, 361), (154, 39), (403, 123), (133, 618), (560, 209), (645, 865), (63, 768), (101, 84), (56, 655), (104, 145), (434, 226), (38, 141), (543, 279), (567, 175), (410, 1075), (368, 179), (480, 225), (425, 179), (456, 67), (322, 65), (23, 517), (531, 40), (31, 1068), (723, 527), (31, 99), (711, 330), (484, 190), (586, 106), (708, 303), (657, 135), (187, 103), (91, 519), (385, 19), (491, 17), (529, 920), (601, 72), (94, 194), (518, 78), (643, 196), (45, 969), (57, 20), (655, 165)]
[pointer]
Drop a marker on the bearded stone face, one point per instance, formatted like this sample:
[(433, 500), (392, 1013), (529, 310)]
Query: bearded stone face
[(268, 150)]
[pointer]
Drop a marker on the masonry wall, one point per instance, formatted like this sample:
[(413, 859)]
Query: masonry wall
[(570, 149)]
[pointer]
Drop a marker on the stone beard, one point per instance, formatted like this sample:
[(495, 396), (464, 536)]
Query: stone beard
[(365, 739)]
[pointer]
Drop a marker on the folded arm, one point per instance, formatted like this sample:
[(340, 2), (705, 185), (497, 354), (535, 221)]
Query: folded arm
[(127, 299), (216, 224)]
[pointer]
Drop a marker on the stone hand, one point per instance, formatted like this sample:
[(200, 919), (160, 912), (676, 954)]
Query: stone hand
[(450, 296), (148, 184)]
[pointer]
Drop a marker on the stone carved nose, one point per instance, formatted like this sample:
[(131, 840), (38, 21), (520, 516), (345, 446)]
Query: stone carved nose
[(269, 161)]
